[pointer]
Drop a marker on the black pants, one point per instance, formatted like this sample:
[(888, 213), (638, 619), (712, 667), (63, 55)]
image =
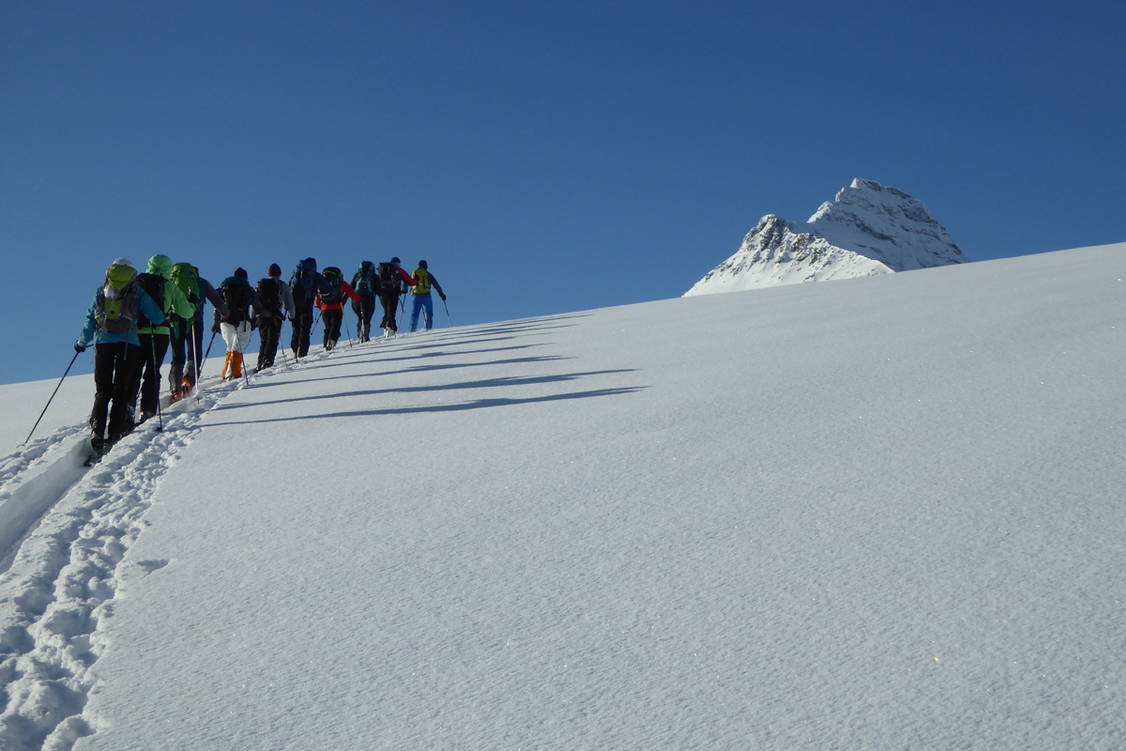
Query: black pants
[(302, 325), (390, 302), (187, 351), (115, 367), (364, 309), (269, 331), (147, 380), (332, 319)]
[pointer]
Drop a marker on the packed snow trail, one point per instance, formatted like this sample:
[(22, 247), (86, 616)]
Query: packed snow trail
[(34, 477), (64, 529)]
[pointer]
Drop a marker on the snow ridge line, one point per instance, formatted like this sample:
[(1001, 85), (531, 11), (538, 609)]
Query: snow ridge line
[(63, 582)]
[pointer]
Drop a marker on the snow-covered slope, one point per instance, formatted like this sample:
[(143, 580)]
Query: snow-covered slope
[(883, 514), (867, 229)]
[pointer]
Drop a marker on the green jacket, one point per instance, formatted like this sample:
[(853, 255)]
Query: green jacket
[(175, 301)]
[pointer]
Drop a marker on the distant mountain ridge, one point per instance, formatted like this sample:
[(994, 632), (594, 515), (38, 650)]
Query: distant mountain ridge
[(867, 229)]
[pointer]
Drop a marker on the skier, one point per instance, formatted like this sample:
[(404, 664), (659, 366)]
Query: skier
[(330, 299), (275, 299), (239, 321), (303, 283), (423, 281), (366, 284), (154, 339), (111, 324), (187, 333), (393, 281)]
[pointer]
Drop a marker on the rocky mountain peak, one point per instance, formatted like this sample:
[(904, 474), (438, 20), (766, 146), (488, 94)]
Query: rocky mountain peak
[(867, 229)]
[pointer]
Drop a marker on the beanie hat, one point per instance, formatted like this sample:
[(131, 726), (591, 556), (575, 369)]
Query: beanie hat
[(122, 262), (240, 273), (422, 264), (395, 260), (275, 270)]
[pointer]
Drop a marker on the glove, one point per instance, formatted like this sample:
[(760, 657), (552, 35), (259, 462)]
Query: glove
[(442, 295), (214, 328), (79, 346)]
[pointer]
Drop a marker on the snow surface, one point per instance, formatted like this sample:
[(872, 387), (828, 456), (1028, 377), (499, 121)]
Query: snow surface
[(885, 513), (867, 229)]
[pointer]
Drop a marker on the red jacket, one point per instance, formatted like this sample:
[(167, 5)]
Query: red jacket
[(406, 277), (346, 288)]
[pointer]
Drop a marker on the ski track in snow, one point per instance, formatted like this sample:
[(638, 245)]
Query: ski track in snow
[(64, 532)]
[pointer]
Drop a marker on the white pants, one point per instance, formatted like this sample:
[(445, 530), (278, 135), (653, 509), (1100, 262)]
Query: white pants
[(236, 337)]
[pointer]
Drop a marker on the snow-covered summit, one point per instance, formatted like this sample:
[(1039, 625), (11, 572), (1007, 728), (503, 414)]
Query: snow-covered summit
[(866, 229)]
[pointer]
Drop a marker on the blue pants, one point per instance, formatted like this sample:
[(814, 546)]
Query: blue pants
[(422, 301)]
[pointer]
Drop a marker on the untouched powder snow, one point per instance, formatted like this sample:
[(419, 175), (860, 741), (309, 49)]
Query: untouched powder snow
[(878, 514)]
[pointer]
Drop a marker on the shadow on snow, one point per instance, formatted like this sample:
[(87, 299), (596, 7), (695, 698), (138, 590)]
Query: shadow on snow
[(485, 383), (476, 404)]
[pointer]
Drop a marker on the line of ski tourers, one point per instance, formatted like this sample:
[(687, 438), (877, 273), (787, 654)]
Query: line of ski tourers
[(136, 318)]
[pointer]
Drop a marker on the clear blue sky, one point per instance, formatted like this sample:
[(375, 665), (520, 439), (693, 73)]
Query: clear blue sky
[(543, 156)]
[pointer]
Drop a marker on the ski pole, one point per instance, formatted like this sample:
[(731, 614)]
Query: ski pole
[(195, 364), (205, 356), (48, 404), (447, 307), (195, 356), (156, 369), (344, 320), (285, 357)]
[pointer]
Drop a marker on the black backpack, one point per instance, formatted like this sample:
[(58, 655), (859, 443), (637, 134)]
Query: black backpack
[(153, 284), (329, 290), (388, 279), (269, 296), (234, 295)]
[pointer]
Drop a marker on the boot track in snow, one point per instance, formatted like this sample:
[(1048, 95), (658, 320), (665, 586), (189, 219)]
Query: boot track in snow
[(64, 532)]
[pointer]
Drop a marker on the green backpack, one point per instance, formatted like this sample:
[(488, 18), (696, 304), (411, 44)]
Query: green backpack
[(186, 277)]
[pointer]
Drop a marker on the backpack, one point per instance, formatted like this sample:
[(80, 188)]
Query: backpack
[(117, 314), (365, 282), (186, 277), (421, 282), (153, 284), (302, 282), (329, 289), (234, 295), (388, 279), (269, 296)]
